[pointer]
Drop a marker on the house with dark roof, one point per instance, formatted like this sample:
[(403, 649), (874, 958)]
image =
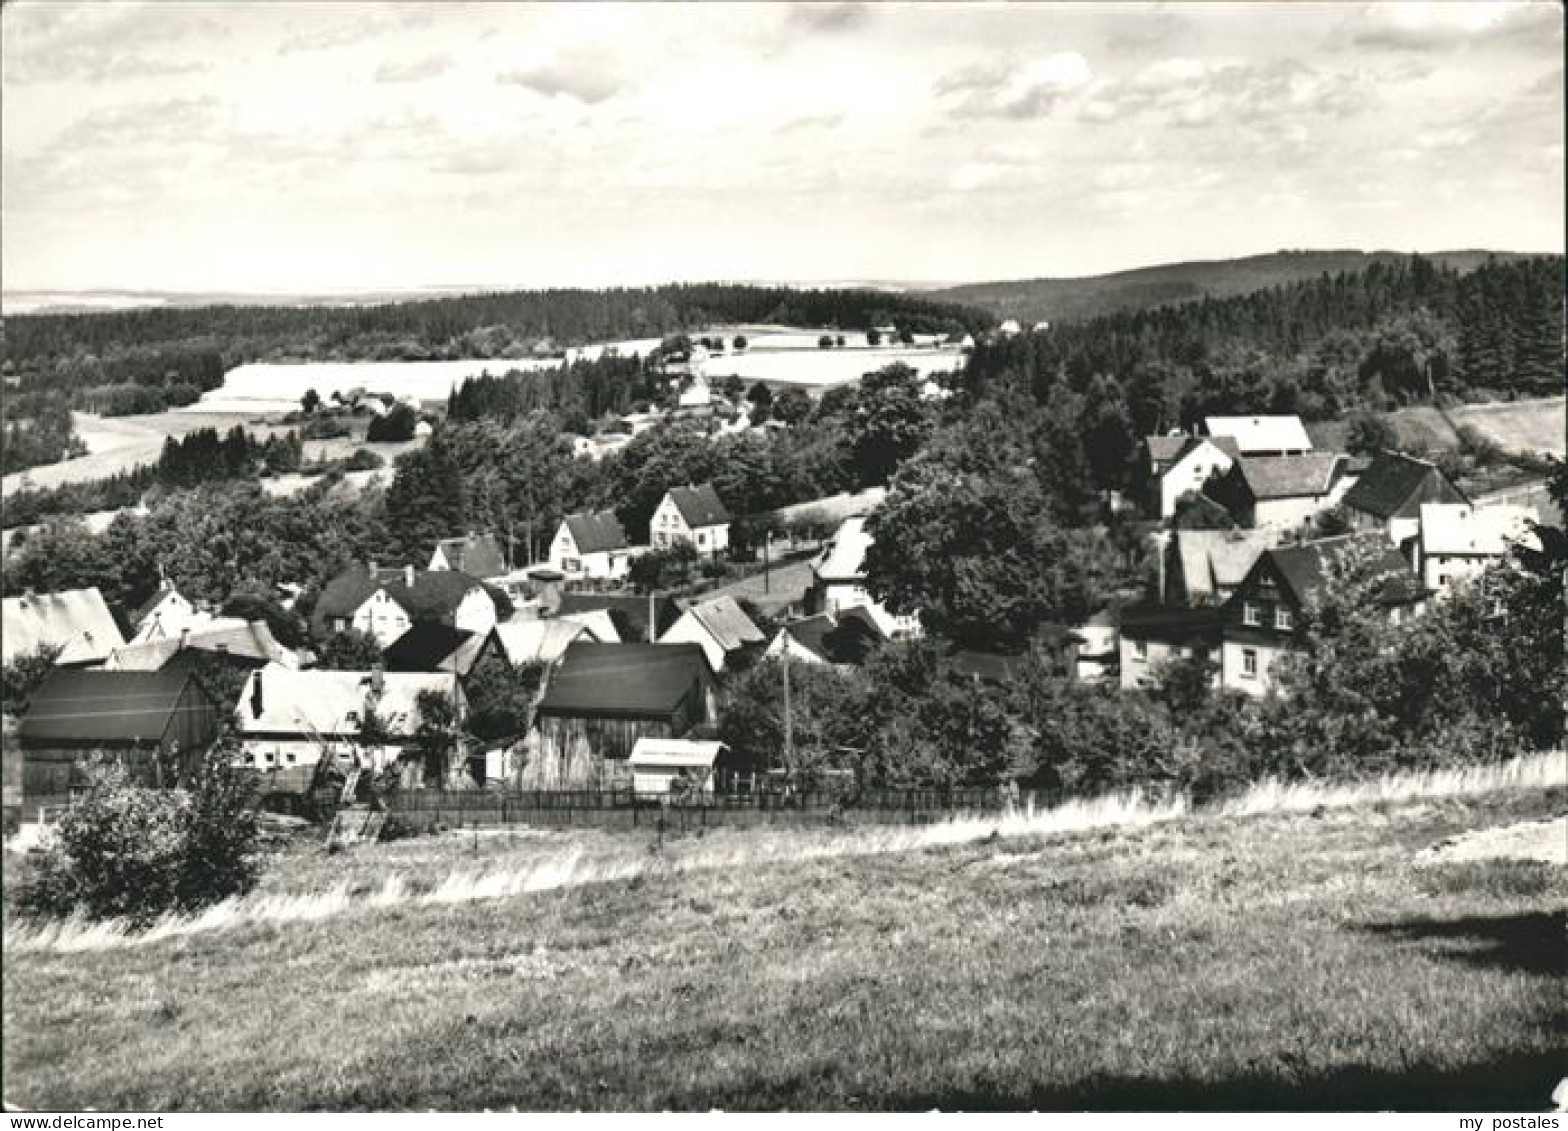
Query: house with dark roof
[(158, 723), (720, 626), (601, 698), (431, 647), (635, 620), (591, 546), (845, 639), (695, 515), (478, 555), (1266, 617), (1389, 494), (1173, 466), (1203, 567), (1284, 494), (387, 603), (76, 621)]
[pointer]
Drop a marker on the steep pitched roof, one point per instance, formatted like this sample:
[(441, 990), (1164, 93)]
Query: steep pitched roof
[(846, 640), (1286, 477), (727, 623), (478, 555), (699, 506), (110, 707), (1398, 483), (429, 647), (1458, 528), (629, 614), (165, 590), (321, 702), (538, 641), (1261, 433), (596, 532), (1164, 450), (76, 620), (252, 641), (598, 623), (1218, 559), (624, 680), (345, 593), (436, 594), (1305, 567)]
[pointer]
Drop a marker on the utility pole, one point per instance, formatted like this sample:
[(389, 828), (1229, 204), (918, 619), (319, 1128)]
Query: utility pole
[(767, 541), (789, 721)]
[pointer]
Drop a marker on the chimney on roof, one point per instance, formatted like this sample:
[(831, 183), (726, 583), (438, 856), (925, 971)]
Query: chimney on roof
[(378, 679), (408, 576), (370, 565)]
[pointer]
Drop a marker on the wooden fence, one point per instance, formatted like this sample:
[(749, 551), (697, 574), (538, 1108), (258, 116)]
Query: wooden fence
[(621, 808)]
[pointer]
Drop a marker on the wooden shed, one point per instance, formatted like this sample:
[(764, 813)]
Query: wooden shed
[(602, 698), (157, 722)]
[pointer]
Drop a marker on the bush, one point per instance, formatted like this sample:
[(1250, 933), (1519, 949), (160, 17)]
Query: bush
[(364, 459), (130, 851), (397, 424)]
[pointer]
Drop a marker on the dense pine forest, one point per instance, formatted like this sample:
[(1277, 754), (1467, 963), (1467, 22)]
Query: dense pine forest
[(1392, 334)]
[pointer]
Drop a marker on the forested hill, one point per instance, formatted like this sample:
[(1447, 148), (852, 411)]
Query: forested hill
[(1389, 334), (511, 324), (1065, 300)]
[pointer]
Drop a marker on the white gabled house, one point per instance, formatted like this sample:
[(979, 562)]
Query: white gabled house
[(720, 626), (839, 583), (1178, 464), (591, 546), (695, 515), (387, 603), (1457, 541)]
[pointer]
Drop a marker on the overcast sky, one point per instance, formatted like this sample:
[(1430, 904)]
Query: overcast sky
[(191, 146)]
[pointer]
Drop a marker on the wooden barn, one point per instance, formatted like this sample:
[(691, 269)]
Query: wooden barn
[(160, 723), (602, 698)]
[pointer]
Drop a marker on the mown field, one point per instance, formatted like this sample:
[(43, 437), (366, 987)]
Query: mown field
[(1319, 959), (1537, 425)]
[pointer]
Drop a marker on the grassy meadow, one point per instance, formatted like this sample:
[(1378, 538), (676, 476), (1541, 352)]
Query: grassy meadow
[(1300, 950)]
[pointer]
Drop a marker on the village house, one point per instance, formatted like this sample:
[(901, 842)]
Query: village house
[(251, 645), (1389, 494), (1265, 619), (1456, 541), (291, 719), (524, 642), (158, 724), (839, 582), (694, 515), (601, 698), (387, 603), (592, 547), (1284, 494), (477, 555), (428, 647), (167, 615), (1261, 435), (631, 619), (720, 626), (1204, 567), (76, 621), (1152, 637), (842, 640), (1095, 648), (1174, 466)]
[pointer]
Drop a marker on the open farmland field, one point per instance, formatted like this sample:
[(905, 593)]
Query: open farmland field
[(1306, 952), (1521, 426)]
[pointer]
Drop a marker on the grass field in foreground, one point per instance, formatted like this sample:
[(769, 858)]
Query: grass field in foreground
[(1298, 959)]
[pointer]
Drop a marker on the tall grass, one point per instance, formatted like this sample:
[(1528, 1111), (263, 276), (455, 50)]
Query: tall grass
[(575, 868)]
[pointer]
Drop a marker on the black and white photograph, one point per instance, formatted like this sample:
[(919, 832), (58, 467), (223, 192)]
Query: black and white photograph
[(763, 557)]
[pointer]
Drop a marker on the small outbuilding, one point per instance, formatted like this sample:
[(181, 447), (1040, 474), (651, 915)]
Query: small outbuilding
[(664, 767)]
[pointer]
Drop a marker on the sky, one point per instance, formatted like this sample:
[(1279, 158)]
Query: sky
[(189, 146)]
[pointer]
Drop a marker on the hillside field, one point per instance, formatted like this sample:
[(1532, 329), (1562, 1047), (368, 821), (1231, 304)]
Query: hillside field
[(1308, 957), (1537, 425)]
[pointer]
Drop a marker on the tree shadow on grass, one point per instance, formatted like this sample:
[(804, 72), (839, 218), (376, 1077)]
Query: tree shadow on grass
[(1507, 1083), (1532, 943)]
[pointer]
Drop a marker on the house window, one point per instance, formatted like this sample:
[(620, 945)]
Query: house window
[(1249, 663), (271, 757), (1283, 620), (289, 758), (702, 539), (1250, 613), (571, 565), (1140, 650)]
